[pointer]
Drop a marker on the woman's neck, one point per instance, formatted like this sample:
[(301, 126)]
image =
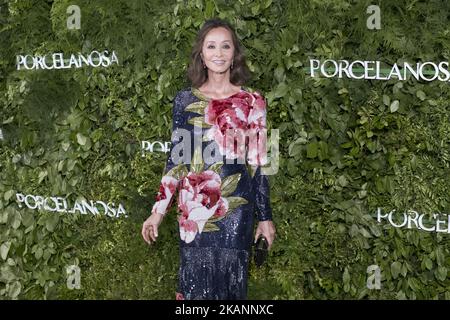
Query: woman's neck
[(218, 85)]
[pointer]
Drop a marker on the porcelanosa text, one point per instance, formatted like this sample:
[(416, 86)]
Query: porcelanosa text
[(58, 204), (372, 70), (59, 61)]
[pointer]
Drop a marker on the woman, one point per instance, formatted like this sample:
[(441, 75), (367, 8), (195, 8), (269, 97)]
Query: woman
[(216, 201)]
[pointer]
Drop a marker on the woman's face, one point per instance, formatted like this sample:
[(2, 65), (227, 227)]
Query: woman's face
[(218, 50)]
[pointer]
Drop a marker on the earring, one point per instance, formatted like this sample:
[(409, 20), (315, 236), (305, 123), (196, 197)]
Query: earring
[(232, 62), (203, 62)]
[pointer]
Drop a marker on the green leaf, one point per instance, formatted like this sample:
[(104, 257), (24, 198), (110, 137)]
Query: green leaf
[(65, 146), (342, 180), (255, 9), (421, 95), (229, 184), (311, 150), (197, 161), (17, 219), (71, 164), (394, 106), (428, 263), (210, 227), (251, 169), (234, 202), (400, 295), (81, 139), (396, 268), (41, 176), (14, 289), (386, 100), (38, 253), (342, 91), (414, 284), (346, 280), (4, 249), (440, 257), (27, 219), (441, 273), (4, 215), (9, 120), (7, 274), (209, 10), (51, 222), (199, 122), (216, 167), (178, 172), (281, 90), (279, 74), (197, 107), (364, 292), (365, 233), (8, 194)]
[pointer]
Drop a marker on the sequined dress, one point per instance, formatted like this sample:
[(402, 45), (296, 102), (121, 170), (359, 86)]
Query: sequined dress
[(218, 206)]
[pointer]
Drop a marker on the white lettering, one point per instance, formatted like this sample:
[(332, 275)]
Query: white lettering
[(374, 278), (435, 67), (313, 65), (74, 20), (373, 21), (398, 225), (416, 215), (438, 225), (444, 71), (60, 205), (94, 59)]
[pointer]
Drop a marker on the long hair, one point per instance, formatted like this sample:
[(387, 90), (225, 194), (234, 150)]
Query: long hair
[(198, 75)]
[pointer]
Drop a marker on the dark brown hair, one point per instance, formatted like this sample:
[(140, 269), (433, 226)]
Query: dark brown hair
[(198, 75)]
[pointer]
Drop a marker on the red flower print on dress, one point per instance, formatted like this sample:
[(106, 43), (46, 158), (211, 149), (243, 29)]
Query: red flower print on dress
[(199, 199), (237, 122), (179, 296), (164, 197)]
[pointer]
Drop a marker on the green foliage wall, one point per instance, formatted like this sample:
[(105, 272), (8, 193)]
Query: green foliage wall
[(344, 153)]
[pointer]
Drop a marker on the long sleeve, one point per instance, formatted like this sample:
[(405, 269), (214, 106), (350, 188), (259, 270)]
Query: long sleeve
[(260, 182), (261, 187), (169, 184)]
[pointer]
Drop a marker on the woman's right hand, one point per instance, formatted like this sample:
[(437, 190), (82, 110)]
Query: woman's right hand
[(150, 227)]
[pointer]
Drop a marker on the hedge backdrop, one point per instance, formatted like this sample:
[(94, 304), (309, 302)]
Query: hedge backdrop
[(344, 150)]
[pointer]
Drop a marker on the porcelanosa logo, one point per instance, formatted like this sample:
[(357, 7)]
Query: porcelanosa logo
[(413, 219), (58, 204), (155, 146), (373, 70), (95, 59)]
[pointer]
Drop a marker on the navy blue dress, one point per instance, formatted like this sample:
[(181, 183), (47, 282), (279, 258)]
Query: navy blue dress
[(214, 257)]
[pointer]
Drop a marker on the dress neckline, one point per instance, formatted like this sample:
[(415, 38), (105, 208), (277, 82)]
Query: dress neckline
[(196, 92)]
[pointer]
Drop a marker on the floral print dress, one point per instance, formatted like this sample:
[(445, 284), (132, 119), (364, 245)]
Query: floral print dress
[(219, 196)]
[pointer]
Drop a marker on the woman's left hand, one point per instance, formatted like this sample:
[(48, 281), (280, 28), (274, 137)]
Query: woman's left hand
[(267, 229)]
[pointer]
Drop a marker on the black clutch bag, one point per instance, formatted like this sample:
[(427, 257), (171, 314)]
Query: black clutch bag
[(260, 251)]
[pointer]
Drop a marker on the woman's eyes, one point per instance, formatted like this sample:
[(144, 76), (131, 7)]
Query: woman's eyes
[(225, 46)]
